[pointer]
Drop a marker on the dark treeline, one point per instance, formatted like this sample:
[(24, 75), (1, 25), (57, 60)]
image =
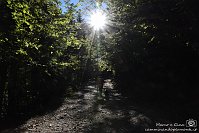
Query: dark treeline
[(42, 51), (151, 46), (155, 50)]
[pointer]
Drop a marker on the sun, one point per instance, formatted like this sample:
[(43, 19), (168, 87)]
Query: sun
[(97, 20)]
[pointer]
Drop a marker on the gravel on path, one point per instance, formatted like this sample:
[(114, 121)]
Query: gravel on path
[(87, 112)]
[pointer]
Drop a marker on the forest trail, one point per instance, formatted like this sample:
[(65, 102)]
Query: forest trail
[(86, 112)]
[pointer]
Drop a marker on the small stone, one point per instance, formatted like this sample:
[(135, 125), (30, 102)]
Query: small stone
[(61, 117)]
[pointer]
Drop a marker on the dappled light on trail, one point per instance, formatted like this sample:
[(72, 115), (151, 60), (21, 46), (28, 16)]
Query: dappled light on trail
[(85, 112), (98, 66)]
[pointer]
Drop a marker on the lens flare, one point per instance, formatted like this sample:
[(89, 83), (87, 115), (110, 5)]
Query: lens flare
[(98, 20)]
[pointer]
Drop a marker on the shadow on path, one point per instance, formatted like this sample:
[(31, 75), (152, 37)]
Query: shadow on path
[(115, 116), (87, 112)]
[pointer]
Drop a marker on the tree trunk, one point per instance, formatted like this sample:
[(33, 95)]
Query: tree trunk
[(3, 79), (12, 89)]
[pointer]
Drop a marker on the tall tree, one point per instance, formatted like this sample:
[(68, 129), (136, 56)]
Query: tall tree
[(155, 47), (38, 53)]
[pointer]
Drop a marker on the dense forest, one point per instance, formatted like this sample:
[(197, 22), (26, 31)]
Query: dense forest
[(155, 50), (150, 47), (42, 53)]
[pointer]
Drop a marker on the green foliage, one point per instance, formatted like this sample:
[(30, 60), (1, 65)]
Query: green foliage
[(39, 53)]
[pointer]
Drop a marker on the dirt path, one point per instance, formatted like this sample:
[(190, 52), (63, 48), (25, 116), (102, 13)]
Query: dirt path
[(86, 112)]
